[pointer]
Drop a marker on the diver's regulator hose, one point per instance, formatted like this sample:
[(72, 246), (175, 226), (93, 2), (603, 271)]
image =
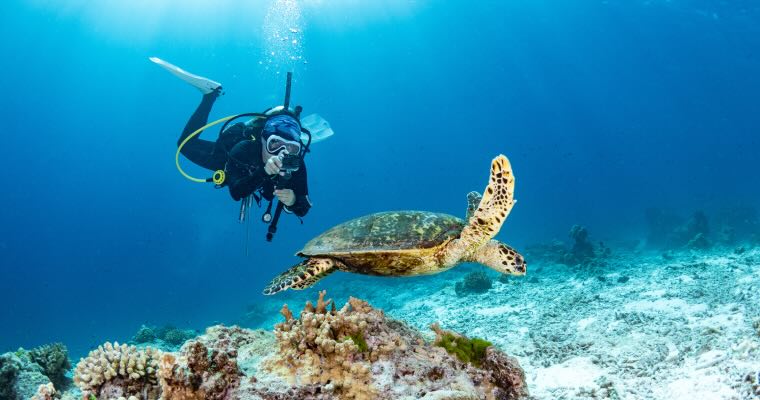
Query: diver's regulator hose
[(219, 176)]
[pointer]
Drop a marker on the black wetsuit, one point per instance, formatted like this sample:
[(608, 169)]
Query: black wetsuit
[(237, 151)]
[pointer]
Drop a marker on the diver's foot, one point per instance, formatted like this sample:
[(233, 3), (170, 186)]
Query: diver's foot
[(210, 88), (205, 85), (212, 94)]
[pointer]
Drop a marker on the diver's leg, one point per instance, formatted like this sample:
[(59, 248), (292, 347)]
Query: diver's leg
[(197, 150)]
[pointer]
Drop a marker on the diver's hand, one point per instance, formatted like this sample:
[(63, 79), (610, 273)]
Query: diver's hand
[(273, 166), (286, 196)]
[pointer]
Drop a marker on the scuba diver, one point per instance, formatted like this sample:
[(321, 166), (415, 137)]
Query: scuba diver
[(259, 159)]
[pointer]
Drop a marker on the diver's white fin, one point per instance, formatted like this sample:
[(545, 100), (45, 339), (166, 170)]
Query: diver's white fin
[(318, 126), (205, 85)]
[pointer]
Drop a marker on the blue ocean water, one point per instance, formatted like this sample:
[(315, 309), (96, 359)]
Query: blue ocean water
[(605, 108)]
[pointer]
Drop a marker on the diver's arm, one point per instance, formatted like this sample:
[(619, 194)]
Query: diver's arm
[(244, 175), (301, 190)]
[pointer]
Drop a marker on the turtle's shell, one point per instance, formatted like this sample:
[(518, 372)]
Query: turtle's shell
[(386, 231)]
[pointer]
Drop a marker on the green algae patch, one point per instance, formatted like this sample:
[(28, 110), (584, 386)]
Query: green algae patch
[(358, 339), (471, 351)]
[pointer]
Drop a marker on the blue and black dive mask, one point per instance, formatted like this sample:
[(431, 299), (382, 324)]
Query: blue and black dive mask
[(282, 132)]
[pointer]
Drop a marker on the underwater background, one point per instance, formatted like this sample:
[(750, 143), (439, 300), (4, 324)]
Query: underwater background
[(606, 109)]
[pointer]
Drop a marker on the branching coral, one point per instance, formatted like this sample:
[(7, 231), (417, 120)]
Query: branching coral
[(113, 371), (333, 348)]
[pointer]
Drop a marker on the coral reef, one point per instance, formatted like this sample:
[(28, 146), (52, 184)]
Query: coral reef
[(45, 392), (582, 249), (20, 377), (255, 314), (661, 224), (145, 334), (54, 360), (201, 372), (729, 226), (324, 353), (507, 374), (698, 242), (114, 371), (468, 350), (474, 282), (9, 368), (736, 224), (319, 347), (176, 337), (167, 335), (319, 354), (669, 231), (581, 252), (506, 371)]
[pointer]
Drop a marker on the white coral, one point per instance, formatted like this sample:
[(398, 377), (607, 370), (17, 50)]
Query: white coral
[(111, 361), (45, 392)]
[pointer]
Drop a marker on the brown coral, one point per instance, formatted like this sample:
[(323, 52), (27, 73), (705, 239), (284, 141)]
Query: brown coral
[(508, 376), (200, 373), (334, 349), (357, 353)]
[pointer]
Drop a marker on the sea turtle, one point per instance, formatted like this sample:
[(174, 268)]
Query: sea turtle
[(404, 243)]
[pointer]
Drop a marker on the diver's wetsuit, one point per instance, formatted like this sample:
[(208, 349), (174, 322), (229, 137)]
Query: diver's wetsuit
[(240, 158)]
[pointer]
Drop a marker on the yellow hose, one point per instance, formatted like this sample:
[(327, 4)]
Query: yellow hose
[(192, 135)]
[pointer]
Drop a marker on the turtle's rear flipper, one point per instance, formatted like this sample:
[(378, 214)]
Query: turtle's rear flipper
[(301, 276), (485, 221)]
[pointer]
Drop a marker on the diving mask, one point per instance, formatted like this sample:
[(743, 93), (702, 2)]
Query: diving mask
[(275, 144)]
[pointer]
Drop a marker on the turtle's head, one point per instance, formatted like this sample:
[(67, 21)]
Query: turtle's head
[(500, 257)]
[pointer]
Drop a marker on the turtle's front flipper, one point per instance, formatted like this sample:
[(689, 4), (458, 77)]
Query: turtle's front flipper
[(485, 222), (302, 276)]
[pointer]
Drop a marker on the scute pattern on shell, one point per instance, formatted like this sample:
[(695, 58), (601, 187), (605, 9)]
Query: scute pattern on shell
[(395, 230)]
